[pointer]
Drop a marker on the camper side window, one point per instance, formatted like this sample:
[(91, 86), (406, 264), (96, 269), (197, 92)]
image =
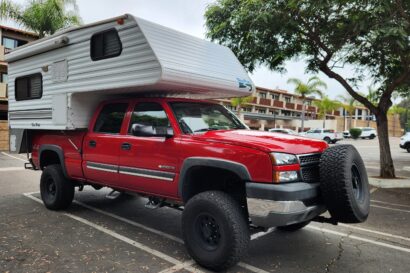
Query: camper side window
[(106, 44), (29, 87), (110, 118)]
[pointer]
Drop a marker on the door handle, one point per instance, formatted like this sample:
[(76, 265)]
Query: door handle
[(92, 143), (125, 146)]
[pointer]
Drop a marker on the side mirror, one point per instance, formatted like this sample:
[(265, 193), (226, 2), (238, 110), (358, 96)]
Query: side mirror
[(151, 131)]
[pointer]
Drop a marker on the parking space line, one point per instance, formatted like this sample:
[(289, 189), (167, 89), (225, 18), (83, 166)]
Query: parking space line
[(354, 237), (373, 190), (11, 169), (127, 240), (381, 207), (15, 157), (375, 232), (135, 224), (391, 204), (261, 234), (178, 267)]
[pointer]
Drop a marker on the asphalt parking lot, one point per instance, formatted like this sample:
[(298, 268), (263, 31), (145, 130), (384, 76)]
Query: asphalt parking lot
[(97, 234)]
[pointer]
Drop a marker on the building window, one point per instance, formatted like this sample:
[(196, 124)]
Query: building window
[(106, 44), (246, 109), (29, 87), (262, 95), (10, 43), (275, 96), (3, 77), (110, 118), (286, 113), (288, 99), (308, 103), (261, 111)]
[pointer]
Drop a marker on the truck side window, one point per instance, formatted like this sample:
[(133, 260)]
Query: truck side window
[(149, 114), (110, 118)]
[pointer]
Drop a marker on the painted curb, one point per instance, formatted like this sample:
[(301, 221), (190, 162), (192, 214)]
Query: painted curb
[(389, 183)]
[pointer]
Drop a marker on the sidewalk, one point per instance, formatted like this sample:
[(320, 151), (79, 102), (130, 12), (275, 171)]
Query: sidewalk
[(390, 183)]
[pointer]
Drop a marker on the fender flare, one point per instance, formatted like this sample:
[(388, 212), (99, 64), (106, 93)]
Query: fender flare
[(58, 150), (239, 169)]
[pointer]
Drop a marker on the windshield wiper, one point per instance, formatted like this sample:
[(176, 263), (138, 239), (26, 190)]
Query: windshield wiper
[(206, 130)]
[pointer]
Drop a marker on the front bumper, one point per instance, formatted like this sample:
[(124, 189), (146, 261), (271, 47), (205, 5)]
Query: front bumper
[(272, 205)]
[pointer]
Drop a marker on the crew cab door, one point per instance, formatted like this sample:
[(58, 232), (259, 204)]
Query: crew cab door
[(149, 163), (101, 146)]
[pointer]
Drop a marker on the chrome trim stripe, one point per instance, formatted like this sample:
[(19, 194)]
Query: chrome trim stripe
[(102, 167), (147, 173), (167, 176)]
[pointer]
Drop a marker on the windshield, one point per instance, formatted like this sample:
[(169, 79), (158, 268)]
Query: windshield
[(196, 117)]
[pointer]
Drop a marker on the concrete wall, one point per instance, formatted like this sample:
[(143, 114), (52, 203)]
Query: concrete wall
[(4, 136)]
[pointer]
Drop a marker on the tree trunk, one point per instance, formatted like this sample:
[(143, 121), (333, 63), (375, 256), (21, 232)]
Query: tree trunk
[(324, 122), (386, 161)]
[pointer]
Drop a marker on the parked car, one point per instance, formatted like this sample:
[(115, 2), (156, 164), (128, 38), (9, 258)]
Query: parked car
[(367, 132), (283, 131), (114, 111), (405, 142), (328, 135)]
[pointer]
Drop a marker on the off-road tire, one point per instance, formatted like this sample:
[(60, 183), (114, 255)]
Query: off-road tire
[(228, 224), (344, 184), (372, 136), (408, 148), (293, 227), (57, 192)]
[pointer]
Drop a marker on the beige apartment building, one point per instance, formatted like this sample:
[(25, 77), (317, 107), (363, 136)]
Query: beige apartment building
[(275, 108), (10, 38)]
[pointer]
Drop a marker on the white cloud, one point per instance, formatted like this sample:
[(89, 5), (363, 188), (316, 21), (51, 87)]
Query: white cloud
[(188, 16)]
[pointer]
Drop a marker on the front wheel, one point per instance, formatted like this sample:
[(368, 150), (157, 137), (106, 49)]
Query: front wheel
[(408, 149), (57, 192), (372, 137), (214, 230), (328, 140)]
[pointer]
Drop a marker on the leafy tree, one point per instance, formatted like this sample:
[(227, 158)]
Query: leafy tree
[(44, 17), (239, 102), (326, 106), (311, 87), (349, 104), (371, 36)]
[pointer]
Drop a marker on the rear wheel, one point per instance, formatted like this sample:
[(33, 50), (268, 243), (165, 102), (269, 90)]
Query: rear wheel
[(328, 140), (57, 192), (214, 230), (344, 184), (293, 227), (372, 136)]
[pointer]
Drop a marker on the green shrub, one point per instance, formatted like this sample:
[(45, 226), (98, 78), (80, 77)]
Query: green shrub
[(355, 133)]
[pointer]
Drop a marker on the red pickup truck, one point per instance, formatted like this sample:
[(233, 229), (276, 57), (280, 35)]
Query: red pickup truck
[(198, 156)]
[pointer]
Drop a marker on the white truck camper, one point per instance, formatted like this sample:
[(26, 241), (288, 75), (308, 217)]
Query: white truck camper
[(55, 83)]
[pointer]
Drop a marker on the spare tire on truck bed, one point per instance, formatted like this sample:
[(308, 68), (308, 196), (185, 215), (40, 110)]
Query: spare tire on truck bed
[(344, 184)]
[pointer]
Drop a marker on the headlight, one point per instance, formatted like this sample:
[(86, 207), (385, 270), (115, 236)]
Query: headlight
[(284, 159)]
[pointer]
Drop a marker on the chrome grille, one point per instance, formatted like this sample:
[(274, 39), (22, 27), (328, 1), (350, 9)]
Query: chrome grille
[(310, 167)]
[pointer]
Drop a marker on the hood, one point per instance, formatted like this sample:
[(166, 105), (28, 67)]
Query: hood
[(266, 141)]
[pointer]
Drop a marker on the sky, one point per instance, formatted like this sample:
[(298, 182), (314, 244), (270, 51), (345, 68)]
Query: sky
[(188, 16)]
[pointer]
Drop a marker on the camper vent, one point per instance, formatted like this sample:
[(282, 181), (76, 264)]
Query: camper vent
[(106, 44), (29, 87)]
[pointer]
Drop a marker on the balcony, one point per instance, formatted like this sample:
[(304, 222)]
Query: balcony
[(299, 107), (3, 91), (263, 101), (311, 109), (2, 52), (278, 103), (290, 105)]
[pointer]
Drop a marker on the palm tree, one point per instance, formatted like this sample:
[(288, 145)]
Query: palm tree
[(43, 17), (394, 111), (349, 105), (311, 87), (239, 102), (326, 105)]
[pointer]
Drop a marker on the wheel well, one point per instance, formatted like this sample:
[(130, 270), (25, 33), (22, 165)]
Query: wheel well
[(205, 178), (49, 157)]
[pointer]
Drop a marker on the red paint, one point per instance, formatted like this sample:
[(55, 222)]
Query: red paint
[(250, 148)]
